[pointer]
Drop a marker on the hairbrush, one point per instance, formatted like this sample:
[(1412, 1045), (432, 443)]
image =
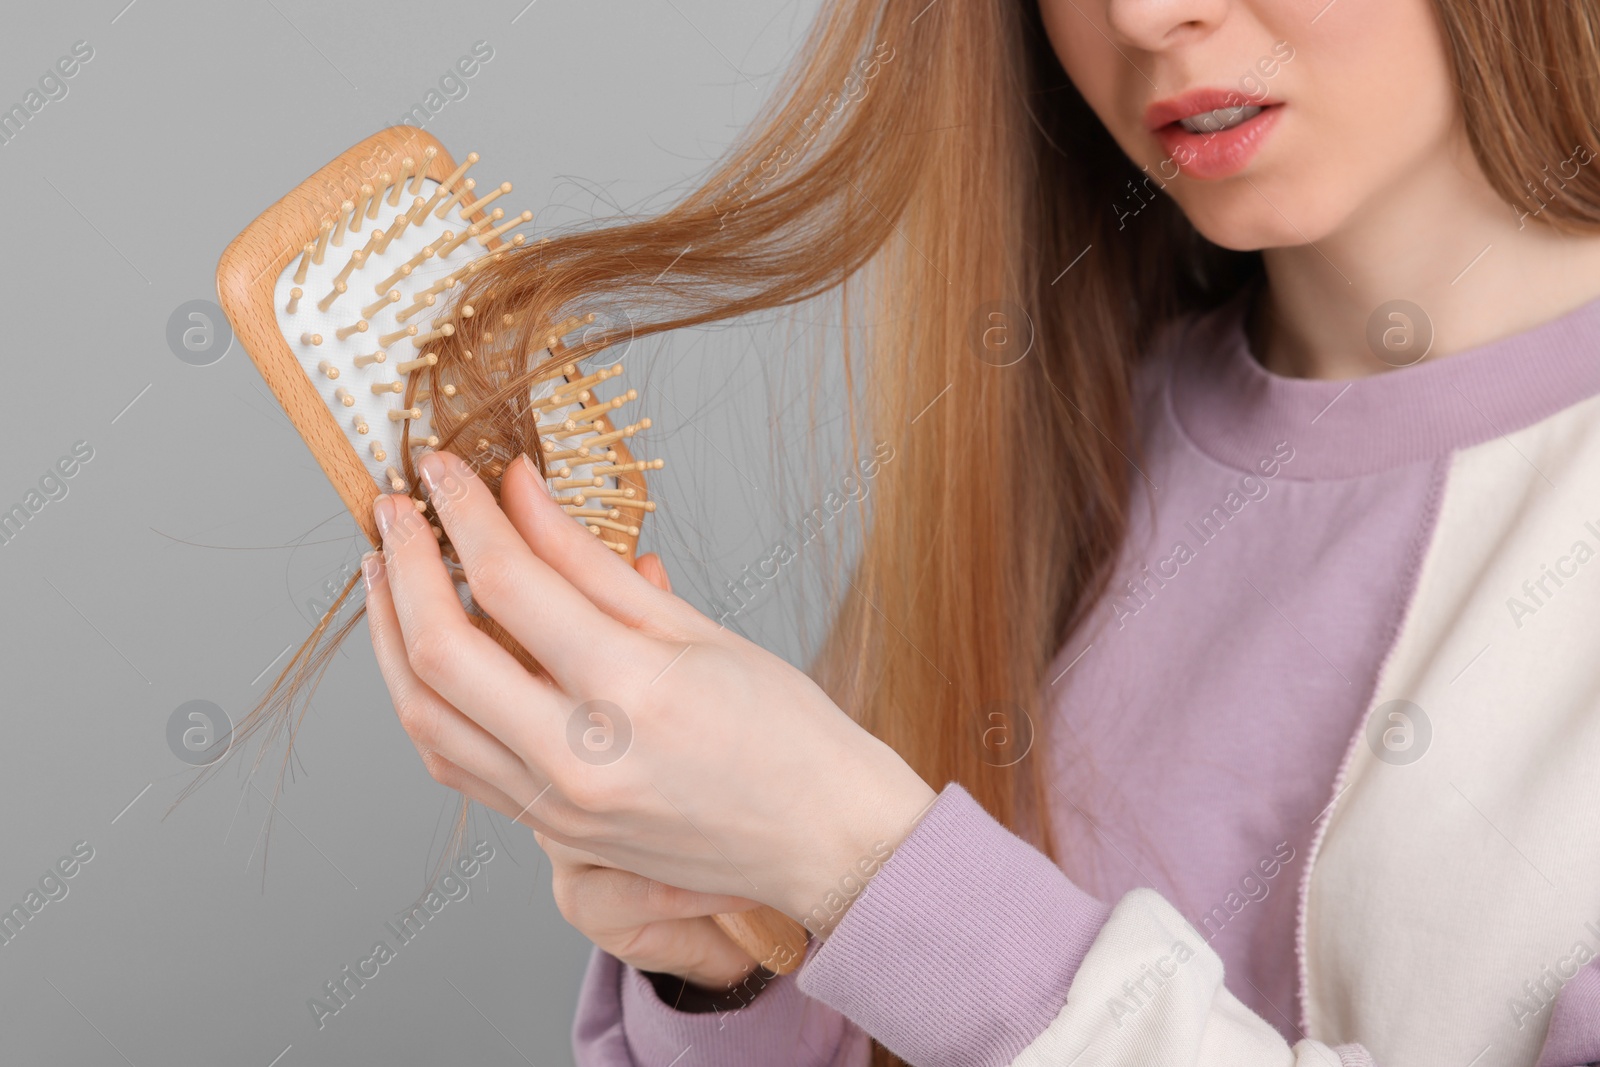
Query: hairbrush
[(344, 295)]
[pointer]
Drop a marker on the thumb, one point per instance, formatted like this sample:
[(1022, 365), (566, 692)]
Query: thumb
[(652, 570)]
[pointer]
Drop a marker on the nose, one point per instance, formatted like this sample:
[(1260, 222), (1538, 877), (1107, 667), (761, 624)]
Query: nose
[(1153, 25)]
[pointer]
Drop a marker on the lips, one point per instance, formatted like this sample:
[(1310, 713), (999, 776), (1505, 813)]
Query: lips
[(1215, 153)]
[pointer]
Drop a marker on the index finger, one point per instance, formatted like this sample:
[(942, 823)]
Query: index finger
[(560, 627), (458, 661)]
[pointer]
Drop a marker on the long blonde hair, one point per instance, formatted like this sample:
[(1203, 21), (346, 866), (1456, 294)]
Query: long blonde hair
[(934, 157)]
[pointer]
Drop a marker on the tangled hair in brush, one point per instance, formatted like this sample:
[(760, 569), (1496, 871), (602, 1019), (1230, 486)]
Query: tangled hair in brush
[(927, 161)]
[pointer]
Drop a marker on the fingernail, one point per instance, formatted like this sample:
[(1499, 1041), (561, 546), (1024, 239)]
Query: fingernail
[(430, 468), (533, 469), (383, 513), (371, 568)]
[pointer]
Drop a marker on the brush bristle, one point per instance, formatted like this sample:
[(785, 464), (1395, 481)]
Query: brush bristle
[(361, 312)]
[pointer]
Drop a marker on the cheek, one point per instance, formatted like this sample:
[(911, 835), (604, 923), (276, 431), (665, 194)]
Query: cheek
[(1383, 81), (1370, 104), (1085, 54)]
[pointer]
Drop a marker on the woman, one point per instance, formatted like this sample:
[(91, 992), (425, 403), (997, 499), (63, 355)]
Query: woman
[(1237, 359)]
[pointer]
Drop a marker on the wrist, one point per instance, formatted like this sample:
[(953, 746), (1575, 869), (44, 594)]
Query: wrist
[(869, 831)]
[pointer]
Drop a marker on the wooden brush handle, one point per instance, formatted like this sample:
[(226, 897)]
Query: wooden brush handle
[(776, 941)]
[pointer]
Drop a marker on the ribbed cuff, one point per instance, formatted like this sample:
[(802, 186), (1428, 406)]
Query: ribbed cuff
[(961, 949), (623, 1023)]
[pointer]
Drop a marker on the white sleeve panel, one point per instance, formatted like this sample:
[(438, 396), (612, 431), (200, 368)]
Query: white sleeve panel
[(1150, 991)]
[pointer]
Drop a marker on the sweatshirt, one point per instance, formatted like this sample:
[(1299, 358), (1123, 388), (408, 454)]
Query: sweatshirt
[(1325, 759)]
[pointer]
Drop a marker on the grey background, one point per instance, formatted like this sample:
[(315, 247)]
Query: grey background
[(191, 550)]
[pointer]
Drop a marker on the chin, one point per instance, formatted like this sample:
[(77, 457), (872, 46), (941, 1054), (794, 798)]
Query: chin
[(1237, 216)]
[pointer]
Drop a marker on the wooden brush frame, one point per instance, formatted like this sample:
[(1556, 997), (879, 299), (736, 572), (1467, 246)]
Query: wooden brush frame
[(248, 273)]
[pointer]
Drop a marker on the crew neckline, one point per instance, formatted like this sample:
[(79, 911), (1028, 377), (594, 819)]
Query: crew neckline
[(1237, 411)]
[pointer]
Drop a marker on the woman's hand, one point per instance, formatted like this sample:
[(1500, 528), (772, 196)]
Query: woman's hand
[(645, 924), (660, 743)]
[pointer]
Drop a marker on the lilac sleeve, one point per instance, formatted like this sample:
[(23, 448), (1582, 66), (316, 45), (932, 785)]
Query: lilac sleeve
[(621, 1022), (962, 949), (1574, 1034), (959, 951)]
